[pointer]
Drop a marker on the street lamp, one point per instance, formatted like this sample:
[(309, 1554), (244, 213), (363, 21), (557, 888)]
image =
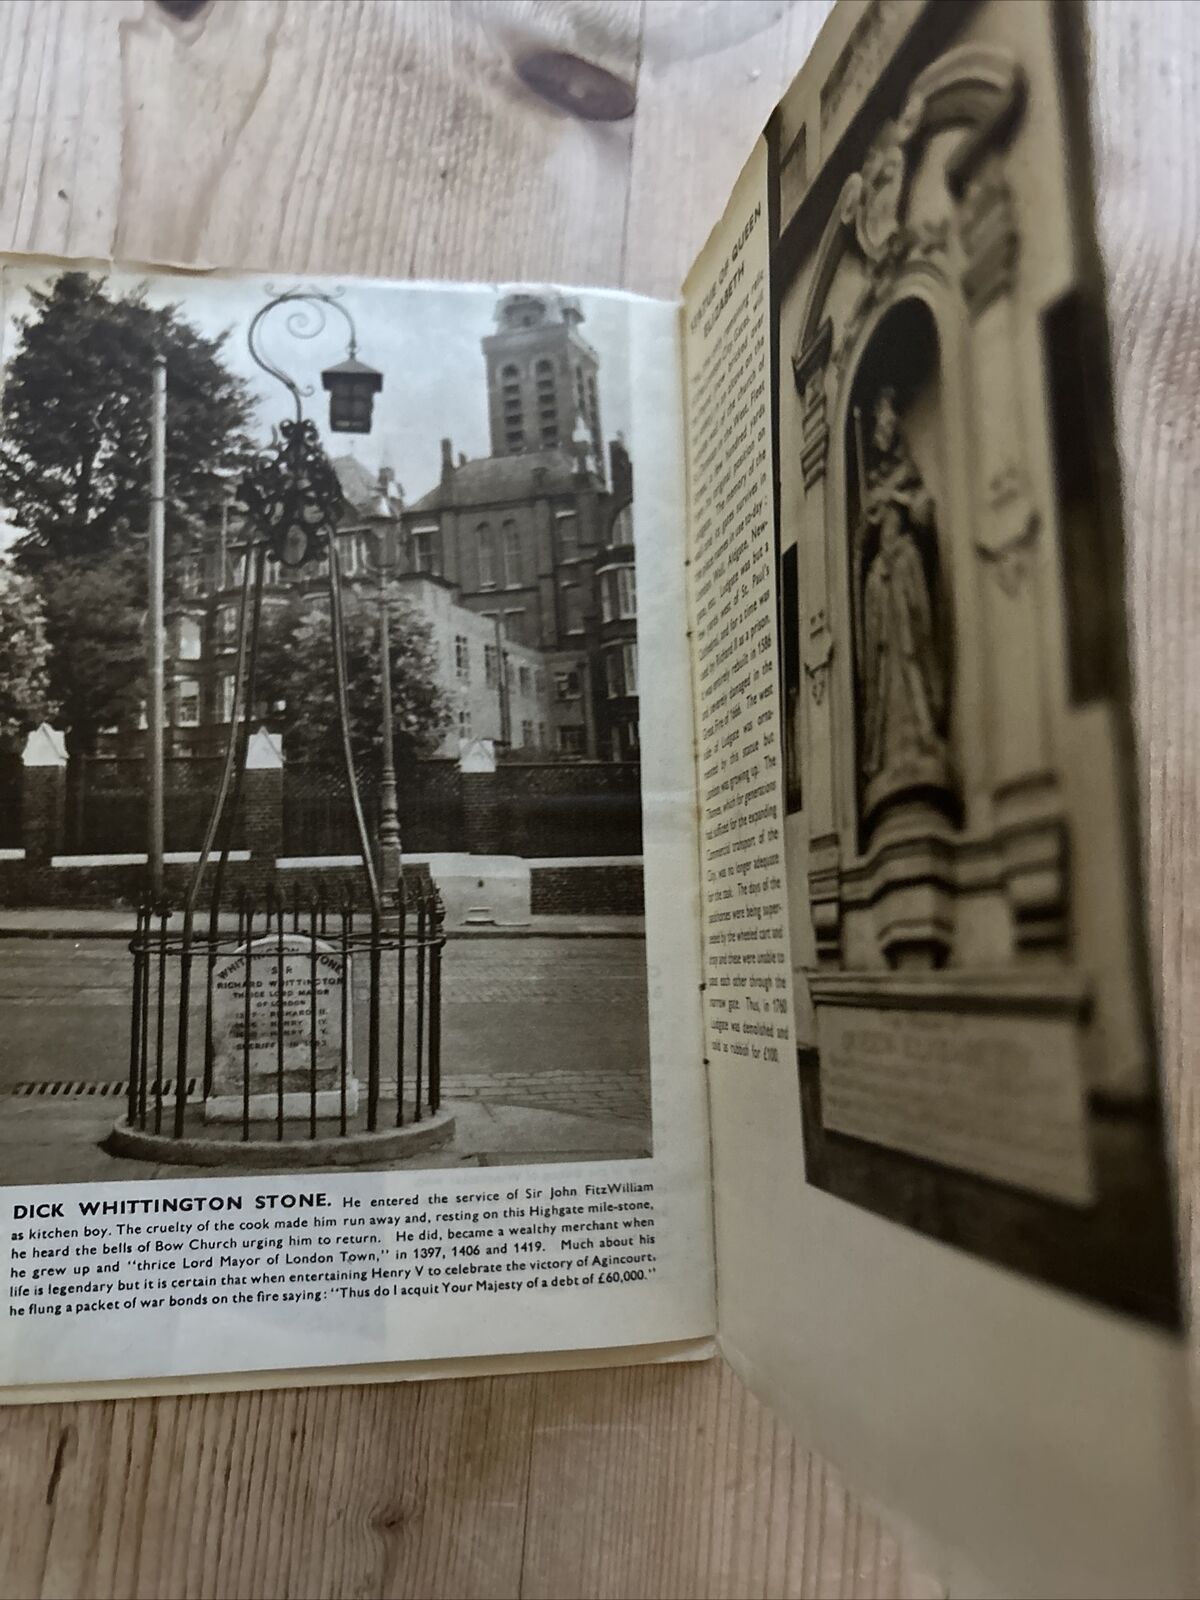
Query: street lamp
[(295, 502), (293, 495), (352, 387)]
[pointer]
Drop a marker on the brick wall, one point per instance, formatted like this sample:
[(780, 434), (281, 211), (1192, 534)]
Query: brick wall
[(524, 808), (534, 809), (587, 808), (595, 891), (112, 806)]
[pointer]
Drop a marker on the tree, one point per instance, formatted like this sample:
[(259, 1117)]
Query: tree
[(295, 672), (75, 452), (25, 697), (75, 474), (96, 633)]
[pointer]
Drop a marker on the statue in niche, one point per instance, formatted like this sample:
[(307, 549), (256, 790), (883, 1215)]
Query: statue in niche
[(902, 678)]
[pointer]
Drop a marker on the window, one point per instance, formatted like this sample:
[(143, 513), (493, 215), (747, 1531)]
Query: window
[(547, 398), (566, 686), (510, 394), (464, 722), (491, 665), (622, 527), (487, 558), (539, 682), (423, 548), (570, 741), (527, 733), (593, 405), (225, 687), (350, 552), (235, 569), (514, 625), (526, 681), (273, 572), (514, 565), (572, 595), (187, 639), (187, 703), (542, 734), (566, 527), (618, 594), (629, 667), (462, 657), (612, 674)]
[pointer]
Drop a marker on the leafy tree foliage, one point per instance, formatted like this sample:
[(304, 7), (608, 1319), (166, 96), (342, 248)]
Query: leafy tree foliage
[(75, 451), (296, 681), (25, 697), (75, 474), (95, 627)]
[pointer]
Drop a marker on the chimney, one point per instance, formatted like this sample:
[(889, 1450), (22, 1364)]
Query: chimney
[(621, 470), (447, 460)]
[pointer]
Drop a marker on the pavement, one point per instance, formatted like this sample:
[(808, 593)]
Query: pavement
[(545, 1051)]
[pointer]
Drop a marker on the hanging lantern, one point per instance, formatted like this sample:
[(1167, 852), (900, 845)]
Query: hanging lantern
[(352, 387)]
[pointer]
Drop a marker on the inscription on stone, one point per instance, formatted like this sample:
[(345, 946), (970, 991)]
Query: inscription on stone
[(998, 1096), (293, 1001)]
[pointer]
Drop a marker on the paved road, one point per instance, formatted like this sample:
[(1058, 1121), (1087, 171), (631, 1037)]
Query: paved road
[(556, 1025)]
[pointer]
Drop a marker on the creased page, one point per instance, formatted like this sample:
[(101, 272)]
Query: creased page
[(349, 1013), (944, 1217)]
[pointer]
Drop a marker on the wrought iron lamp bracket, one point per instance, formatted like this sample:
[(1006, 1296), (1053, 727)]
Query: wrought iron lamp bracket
[(293, 495), (305, 320)]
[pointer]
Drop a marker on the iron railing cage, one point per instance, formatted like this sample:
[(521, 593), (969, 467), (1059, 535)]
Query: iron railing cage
[(173, 975)]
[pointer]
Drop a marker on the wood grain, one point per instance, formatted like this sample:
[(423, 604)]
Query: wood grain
[(1145, 86), (380, 137)]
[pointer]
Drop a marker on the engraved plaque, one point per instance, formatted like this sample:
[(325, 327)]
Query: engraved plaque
[(278, 972), (1000, 1096)]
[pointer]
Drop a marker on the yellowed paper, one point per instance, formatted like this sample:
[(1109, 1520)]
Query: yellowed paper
[(920, 1252), (556, 1197)]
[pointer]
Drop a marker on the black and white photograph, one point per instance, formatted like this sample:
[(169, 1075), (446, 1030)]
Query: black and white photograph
[(320, 799), (977, 1057)]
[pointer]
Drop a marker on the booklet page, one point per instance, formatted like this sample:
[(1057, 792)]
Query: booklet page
[(747, 1006), (350, 1003), (944, 1233)]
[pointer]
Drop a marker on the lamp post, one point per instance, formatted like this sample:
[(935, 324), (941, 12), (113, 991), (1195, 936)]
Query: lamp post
[(390, 854), (157, 707), (294, 502)]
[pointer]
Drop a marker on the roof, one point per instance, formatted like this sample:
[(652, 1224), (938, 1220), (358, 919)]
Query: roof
[(545, 305), (494, 480), (362, 489), (352, 367)]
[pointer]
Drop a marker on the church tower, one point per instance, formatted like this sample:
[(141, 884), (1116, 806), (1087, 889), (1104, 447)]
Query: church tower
[(542, 377)]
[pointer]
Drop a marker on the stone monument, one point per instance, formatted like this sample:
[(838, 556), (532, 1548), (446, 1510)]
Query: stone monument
[(277, 1023)]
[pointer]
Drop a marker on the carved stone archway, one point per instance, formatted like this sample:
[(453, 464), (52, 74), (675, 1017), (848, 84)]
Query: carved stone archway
[(970, 251)]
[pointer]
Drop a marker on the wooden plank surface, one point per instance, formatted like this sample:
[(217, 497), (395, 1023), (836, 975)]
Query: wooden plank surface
[(374, 136)]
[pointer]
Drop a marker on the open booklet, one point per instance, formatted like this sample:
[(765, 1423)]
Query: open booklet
[(581, 827)]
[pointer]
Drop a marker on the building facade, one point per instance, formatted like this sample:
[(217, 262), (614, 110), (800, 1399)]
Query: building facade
[(521, 561)]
